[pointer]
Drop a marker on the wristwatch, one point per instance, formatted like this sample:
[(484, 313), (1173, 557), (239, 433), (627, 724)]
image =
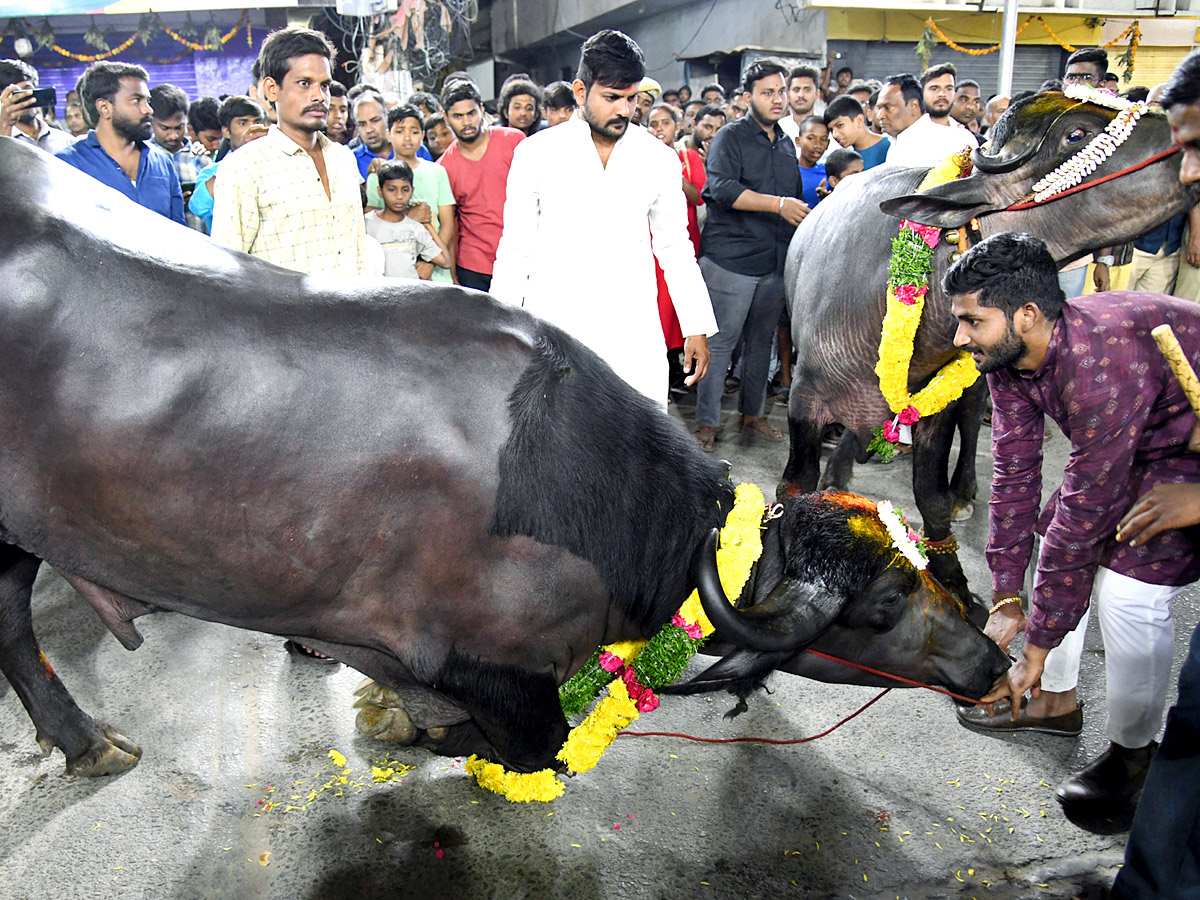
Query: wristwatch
[(1105, 260)]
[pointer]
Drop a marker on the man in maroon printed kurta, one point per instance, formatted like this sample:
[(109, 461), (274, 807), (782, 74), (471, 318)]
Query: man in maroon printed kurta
[(1092, 366)]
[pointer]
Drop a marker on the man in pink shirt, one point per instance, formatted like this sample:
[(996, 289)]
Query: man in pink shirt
[(477, 163)]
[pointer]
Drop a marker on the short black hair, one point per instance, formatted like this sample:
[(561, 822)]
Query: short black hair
[(1183, 87), (674, 113), (710, 110), (839, 161), (838, 73), (256, 71), (1137, 94), (967, 82), (515, 86), (910, 89), (812, 120), (167, 101), (1097, 56), (458, 90), (407, 111), (558, 95), (237, 106), (670, 92), (804, 70), (1008, 270), (425, 99), (282, 46), (433, 121), (695, 103), (14, 71), (760, 69), (843, 105), (101, 81), (203, 114), (611, 58), (1050, 84), (713, 87), (395, 170), (938, 71), (864, 87), (337, 89)]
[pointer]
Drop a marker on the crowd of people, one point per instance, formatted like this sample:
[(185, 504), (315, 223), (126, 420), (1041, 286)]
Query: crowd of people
[(654, 226)]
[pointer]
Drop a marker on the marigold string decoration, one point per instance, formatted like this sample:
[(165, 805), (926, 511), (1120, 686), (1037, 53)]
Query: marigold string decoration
[(633, 669), (908, 285)]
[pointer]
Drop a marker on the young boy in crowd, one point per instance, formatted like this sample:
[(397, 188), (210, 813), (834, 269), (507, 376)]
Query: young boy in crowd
[(438, 135), (404, 240), (840, 163)]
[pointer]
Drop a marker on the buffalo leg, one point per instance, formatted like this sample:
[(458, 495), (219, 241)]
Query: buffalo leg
[(840, 467), (968, 414), (931, 489), (804, 455), (91, 748)]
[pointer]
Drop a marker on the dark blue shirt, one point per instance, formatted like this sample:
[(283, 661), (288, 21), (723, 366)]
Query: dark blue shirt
[(157, 186), (874, 156), (809, 179), (743, 157), (363, 157), (1167, 237)]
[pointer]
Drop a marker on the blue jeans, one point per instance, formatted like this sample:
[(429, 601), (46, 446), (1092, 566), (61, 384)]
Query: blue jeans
[(747, 308), (1162, 858), (1073, 283)]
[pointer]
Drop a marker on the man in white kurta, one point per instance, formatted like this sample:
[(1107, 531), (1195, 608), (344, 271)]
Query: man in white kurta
[(581, 234)]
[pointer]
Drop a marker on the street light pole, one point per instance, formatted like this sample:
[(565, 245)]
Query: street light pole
[(1008, 47)]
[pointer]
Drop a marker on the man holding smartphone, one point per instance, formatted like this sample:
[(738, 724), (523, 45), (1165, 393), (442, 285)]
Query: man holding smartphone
[(20, 112)]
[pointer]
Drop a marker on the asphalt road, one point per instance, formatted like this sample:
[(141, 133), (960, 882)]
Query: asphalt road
[(236, 795)]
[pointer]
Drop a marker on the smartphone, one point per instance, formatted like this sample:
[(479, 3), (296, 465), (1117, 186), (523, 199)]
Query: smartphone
[(44, 97)]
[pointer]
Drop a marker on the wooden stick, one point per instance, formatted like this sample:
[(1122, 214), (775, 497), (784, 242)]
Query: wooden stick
[(1169, 345)]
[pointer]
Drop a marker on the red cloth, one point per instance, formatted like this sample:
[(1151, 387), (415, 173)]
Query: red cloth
[(480, 188), (693, 171)]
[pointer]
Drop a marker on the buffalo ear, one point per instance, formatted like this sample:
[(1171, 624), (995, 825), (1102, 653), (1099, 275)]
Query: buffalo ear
[(948, 205)]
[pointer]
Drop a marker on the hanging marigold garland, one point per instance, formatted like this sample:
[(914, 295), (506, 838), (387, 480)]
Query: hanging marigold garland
[(908, 285), (1133, 32), (633, 669), (242, 22)]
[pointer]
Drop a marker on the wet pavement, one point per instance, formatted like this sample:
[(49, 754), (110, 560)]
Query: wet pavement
[(237, 795)]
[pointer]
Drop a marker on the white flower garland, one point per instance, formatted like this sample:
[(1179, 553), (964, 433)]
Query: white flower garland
[(903, 538), (1098, 149)]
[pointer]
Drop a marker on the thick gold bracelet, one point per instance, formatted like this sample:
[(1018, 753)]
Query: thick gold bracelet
[(1004, 602)]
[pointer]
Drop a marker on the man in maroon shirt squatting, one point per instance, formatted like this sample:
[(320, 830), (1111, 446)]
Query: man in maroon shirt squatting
[(1091, 365)]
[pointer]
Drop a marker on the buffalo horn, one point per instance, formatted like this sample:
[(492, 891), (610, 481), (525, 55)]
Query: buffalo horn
[(790, 618)]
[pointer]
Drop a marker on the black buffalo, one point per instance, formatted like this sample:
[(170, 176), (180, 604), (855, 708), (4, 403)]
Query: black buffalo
[(187, 428)]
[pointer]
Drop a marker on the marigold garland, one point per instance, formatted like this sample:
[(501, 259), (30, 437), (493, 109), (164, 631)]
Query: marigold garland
[(639, 666), (908, 285), (1133, 32), (242, 22)]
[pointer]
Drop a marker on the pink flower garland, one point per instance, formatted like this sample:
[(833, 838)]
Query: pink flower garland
[(643, 697)]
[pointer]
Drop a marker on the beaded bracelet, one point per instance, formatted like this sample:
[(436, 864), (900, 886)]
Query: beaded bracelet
[(1004, 602)]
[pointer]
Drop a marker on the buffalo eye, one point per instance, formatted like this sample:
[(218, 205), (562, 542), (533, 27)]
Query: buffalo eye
[(1075, 136)]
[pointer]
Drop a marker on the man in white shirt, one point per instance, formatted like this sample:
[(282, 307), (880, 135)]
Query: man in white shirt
[(19, 118), (803, 89), (917, 139), (594, 182)]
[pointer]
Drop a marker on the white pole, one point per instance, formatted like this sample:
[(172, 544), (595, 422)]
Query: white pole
[(1008, 47)]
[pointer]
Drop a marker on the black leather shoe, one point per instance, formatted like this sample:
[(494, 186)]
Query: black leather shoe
[(977, 719), (1111, 781)]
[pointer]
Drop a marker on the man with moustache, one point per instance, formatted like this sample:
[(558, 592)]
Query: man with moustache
[(599, 180), (477, 163), (709, 120), (292, 197), (20, 118), (753, 204), (921, 136), (803, 90), (118, 152)]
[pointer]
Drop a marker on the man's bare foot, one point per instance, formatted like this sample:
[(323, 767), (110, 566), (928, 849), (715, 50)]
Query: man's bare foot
[(760, 425), (706, 436)]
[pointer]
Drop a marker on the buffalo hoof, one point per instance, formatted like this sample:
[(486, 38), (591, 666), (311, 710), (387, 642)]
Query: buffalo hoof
[(111, 754), (962, 510), (382, 724)]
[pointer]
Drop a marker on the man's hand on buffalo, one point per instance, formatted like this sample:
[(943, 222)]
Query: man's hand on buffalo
[(695, 357), (1006, 621), (1163, 507), (1025, 675)]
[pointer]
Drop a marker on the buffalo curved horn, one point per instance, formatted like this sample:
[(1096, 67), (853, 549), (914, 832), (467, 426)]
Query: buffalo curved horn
[(790, 618)]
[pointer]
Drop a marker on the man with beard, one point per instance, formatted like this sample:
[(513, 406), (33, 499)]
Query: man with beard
[(118, 151), (921, 135), (292, 197), (709, 120), (596, 179), (1089, 364), (369, 114), (753, 204), (803, 89), (477, 163), (19, 118)]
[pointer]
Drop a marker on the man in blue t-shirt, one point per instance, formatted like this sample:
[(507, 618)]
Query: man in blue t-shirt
[(810, 147), (848, 126), (118, 152)]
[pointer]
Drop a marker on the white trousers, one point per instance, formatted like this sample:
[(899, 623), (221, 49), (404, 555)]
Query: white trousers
[(1138, 633)]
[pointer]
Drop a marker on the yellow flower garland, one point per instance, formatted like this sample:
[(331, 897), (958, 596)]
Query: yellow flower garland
[(741, 545), (900, 328)]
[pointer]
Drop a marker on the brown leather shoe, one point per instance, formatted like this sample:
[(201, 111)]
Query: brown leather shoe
[(977, 719), (1111, 781)]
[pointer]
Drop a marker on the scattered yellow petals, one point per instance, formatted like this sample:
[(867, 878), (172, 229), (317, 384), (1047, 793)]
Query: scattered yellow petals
[(338, 759), (264, 858)]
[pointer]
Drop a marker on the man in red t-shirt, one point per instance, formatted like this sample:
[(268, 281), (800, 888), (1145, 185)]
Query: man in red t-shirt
[(477, 163)]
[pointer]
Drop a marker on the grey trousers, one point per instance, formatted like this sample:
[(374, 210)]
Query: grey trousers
[(747, 307)]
